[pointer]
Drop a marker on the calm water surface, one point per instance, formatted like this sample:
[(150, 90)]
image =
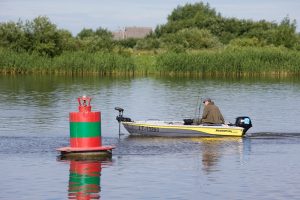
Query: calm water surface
[(263, 165)]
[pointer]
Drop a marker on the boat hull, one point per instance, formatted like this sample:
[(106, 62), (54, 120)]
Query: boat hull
[(180, 130)]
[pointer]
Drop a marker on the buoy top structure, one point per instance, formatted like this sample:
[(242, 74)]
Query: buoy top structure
[(85, 133)]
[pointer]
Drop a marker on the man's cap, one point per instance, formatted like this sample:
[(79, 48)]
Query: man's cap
[(207, 99)]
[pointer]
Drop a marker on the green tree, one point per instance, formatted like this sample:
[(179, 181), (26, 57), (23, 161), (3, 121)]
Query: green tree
[(189, 11), (84, 33), (127, 43), (43, 36), (192, 38), (12, 36), (202, 16), (297, 45), (285, 34), (99, 40), (67, 41), (104, 33), (148, 44)]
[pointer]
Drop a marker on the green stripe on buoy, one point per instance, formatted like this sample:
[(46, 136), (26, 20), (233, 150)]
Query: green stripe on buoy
[(85, 129)]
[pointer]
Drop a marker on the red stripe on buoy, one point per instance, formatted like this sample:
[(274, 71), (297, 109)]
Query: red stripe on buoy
[(85, 116), (86, 142)]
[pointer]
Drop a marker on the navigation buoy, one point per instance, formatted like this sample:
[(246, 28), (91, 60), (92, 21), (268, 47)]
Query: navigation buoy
[(85, 133)]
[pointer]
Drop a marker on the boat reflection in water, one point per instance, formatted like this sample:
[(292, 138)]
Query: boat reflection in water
[(212, 149), (208, 151), (85, 179)]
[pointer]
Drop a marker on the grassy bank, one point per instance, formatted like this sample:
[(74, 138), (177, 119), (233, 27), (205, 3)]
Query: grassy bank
[(227, 61)]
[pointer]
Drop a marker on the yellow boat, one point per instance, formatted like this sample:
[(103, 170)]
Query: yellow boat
[(182, 128)]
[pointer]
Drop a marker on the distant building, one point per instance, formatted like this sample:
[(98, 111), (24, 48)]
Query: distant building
[(132, 32)]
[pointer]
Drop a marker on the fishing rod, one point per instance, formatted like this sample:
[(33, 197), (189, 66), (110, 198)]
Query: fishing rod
[(200, 107), (197, 113), (196, 110)]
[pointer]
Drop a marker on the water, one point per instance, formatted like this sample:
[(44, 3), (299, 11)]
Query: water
[(263, 165)]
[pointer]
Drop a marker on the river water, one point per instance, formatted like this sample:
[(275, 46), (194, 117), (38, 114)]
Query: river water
[(263, 165)]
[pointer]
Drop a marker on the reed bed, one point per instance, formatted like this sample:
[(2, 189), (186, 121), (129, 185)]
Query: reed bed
[(249, 61), (67, 63), (232, 61)]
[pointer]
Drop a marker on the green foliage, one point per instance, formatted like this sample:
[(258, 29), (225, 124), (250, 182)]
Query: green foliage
[(239, 61), (297, 45), (176, 48), (285, 34), (66, 63), (148, 44), (247, 42), (201, 16), (196, 38), (192, 38), (228, 61), (86, 33), (145, 63), (198, 15), (96, 43), (68, 42), (93, 41), (100, 32), (127, 43), (44, 37), (12, 36), (190, 11), (39, 35), (103, 33)]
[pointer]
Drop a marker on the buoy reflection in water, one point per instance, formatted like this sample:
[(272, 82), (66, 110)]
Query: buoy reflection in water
[(84, 180)]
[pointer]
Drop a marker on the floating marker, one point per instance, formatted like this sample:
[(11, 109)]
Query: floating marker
[(85, 133)]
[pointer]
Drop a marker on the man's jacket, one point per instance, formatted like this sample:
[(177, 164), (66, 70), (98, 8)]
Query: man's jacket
[(212, 115)]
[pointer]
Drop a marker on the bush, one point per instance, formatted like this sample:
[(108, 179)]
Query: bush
[(192, 39), (148, 44), (247, 42)]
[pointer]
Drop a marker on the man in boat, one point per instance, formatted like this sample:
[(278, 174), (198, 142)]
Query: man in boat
[(211, 113)]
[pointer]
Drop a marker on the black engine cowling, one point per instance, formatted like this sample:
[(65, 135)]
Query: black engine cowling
[(244, 122), (123, 119)]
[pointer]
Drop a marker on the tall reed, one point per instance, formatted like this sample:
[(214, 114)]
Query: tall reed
[(227, 61), (67, 63), (232, 61)]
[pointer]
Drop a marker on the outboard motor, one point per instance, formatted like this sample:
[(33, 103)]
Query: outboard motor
[(244, 122)]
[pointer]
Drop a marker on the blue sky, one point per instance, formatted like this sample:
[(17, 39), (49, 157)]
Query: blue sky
[(74, 15)]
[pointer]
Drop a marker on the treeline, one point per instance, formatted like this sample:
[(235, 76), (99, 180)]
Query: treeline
[(195, 39), (43, 37), (197, 26)]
